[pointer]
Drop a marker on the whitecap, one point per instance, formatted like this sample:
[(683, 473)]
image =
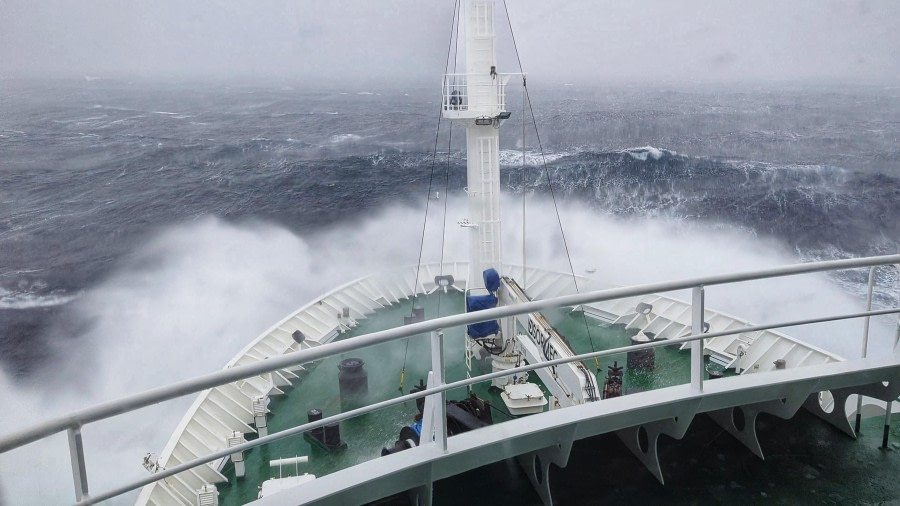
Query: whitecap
[(342, 138), (512, 157), (28, 300), (646, 152)]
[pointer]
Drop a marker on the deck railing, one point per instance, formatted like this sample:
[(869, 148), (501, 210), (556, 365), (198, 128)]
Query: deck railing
[(437, 389)]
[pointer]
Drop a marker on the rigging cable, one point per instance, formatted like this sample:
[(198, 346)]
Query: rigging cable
[(524, 263), (447, 171), (524, 87), (453, 23), (527, 97)]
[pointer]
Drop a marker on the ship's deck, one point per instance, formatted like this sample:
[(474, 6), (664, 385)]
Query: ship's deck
[(366, 435), (668, 405)]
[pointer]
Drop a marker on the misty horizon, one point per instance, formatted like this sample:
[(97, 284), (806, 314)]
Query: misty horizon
[(405, 42)]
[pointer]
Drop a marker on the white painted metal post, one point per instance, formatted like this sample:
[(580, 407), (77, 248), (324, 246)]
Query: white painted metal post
[(428, 413), (897, 336), (440, 408), (79, 473), (865, 343), (697, 309), (887, 425)]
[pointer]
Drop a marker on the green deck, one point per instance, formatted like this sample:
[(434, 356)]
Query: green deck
[(367, 434)]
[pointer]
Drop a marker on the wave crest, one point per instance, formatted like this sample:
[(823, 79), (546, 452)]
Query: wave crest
[(514, 158), (343, 138), (32, 300), (646, 152)]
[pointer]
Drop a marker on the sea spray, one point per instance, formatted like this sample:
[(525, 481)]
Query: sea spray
[(189, 298)]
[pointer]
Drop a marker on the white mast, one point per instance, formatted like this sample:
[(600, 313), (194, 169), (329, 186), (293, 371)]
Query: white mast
[(477, 100)]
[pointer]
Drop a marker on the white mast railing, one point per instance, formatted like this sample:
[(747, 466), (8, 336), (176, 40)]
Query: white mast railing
[(74, 421), (457, 91)]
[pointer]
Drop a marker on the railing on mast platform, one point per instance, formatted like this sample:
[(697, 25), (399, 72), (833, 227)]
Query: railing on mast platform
[(458, 90)]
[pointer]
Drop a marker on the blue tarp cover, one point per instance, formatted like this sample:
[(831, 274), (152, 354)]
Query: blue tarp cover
[(491, 280), (478, 303)]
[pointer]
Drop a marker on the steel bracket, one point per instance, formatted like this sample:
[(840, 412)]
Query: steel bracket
[(536, 464), (642, 439)]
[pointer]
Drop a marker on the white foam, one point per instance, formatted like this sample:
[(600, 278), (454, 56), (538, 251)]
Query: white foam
[(512, 157), (343, 138), (182, 305), (193, 296), (627, 252), (646, 152), (29, 300)]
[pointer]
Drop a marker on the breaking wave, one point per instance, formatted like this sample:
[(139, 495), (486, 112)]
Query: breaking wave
[(342, 138), (514, 158), (31, 300), (98, 176), (646, 152)]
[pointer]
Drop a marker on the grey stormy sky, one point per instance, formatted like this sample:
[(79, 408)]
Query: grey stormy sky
[(319, 40)]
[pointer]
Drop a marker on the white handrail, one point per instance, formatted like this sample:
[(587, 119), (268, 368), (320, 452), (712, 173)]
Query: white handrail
[(459, 384), (456, 95), (194, 385), (74, 421)]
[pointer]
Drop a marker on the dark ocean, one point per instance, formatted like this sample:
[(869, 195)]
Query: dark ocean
[(96, 174)]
